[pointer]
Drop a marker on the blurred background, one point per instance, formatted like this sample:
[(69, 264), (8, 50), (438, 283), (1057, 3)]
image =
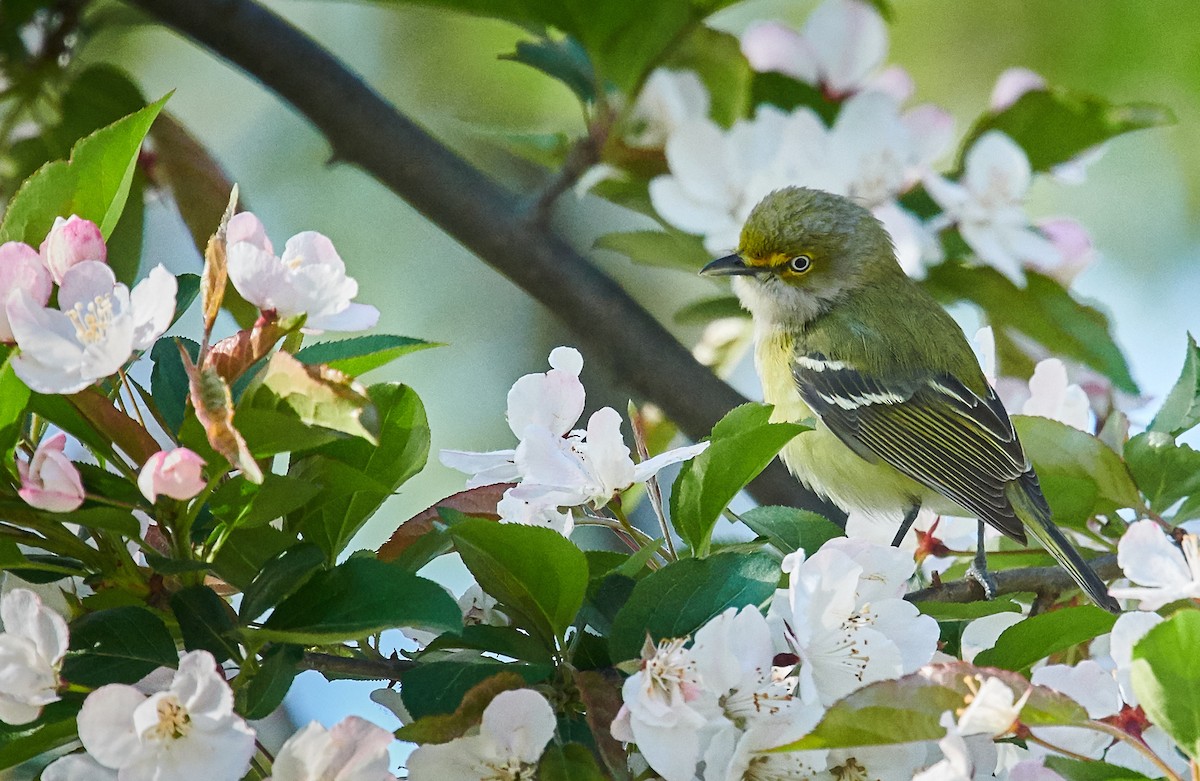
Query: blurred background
[(1141, 200)]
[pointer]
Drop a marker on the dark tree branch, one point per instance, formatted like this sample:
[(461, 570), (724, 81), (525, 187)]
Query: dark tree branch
[(1047, 581), (356, 667), (494, 223)]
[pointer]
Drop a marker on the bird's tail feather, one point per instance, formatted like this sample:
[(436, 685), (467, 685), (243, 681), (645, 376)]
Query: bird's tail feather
[(1036, 517)]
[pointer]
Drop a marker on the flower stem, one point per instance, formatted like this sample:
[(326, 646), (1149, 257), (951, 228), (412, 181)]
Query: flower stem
[(1138, 745)]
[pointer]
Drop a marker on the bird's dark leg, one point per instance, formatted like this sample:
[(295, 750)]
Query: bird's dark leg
[(909, 519), (978, 570)]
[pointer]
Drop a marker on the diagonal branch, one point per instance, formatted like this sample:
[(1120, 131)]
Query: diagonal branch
[(491, 221), (1043, 581)]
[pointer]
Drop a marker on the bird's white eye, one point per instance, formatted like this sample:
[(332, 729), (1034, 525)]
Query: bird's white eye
[(800, 264)]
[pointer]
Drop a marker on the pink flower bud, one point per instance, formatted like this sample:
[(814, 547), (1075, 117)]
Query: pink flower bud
[(176, 473), (22, 275), (50, 481), (244, 226), (1012, 84), (72, 241)]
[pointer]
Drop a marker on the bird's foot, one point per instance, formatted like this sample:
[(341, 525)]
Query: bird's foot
[(979, 573)]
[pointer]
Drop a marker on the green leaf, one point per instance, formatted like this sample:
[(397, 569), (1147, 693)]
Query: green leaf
[(967, 611), (780, 90), (93, 184), (562, 59), (1164, 471), (264, 692), (1078, 770), (118, 645), (572, 762), (534, 571), (708, 309), (241, 503), (1079, 474), (1044, 311), (111, 518), (437, 687), (361, 354), (358, 598), (682, 596), (206, 621), (315, 394), (742, 444), (280, 577), (908, 709), (1166, 678), (1036, 637), (247, 551), (790, 530), (269, 432), (169, 381), (125, 243), (14, 396), (1055, 125), (665, 249), (401, 453), (1181, 409)]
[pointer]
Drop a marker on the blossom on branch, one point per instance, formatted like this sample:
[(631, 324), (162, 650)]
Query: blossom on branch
[(188, 732), (308, 279), (22, 275), (1165, 572), (49, 481), (353, 750), (97, 327), (32, 645), (515, 729), (178, 473)]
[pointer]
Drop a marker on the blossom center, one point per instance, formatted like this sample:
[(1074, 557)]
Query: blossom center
[(294, 262), (850, 770), (512, 770), (92, 321), (173, 720), (669, 671)]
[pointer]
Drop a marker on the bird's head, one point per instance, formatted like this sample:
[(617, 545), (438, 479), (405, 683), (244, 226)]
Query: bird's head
[(803, 250)]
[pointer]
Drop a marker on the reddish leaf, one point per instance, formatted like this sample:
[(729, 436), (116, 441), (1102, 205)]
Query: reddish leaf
[(479, 502), (122, 430)]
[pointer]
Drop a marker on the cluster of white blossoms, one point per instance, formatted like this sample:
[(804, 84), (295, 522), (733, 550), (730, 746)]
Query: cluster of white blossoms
[(748, 682), (554, 466), (178, 724), (875, 151)]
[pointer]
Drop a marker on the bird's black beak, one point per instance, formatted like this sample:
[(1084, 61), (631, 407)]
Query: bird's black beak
[(728, 266)]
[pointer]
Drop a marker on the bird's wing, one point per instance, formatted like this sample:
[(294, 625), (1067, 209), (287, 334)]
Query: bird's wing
[(933, 429)]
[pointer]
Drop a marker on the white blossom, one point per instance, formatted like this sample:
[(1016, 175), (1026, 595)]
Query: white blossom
[(353, 750), (1091, 686), (515, 729), (187, 732), (991, 708), (670, 98), (963, 758), (988, 206), (32, 647), (1052, 395), (1165, 572), (308, 279), (97, 327), (78, 767)]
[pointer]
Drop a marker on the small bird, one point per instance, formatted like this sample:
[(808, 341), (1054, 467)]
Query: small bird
[(905, 417)]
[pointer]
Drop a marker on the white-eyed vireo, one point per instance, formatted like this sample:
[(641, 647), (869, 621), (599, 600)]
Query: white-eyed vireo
[(905, 416)]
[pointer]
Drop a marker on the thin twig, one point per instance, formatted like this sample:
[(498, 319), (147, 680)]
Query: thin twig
[(356, 667)]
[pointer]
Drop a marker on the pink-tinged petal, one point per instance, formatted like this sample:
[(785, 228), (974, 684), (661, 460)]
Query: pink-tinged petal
[(931, 130), (607, 455), (850, 41), (894, 81), (152, 303), (520, 723), (244, 226), (1012, 84), (23, 276), (71, 241), (355, 317), (566, 359), (256, 274), (553, 400), (24, 615), (310, 247), (84, 282), (106, 724), (1072, 243), (51, 482), (178, 474), (996, 164), (644, 470), (772, 46), (361, 750)]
